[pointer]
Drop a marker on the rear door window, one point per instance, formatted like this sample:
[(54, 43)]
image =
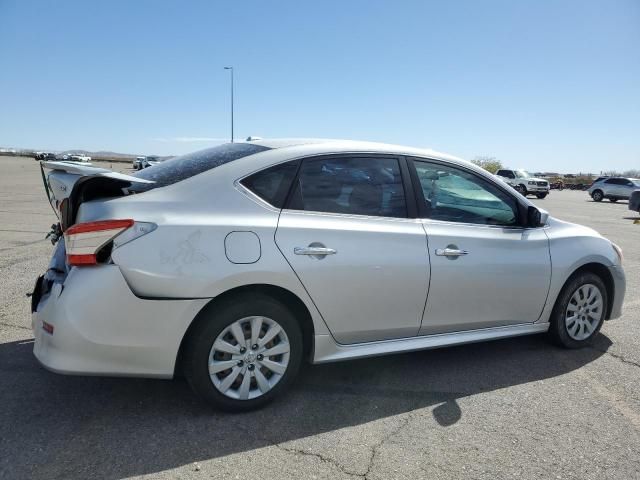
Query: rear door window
[(369, 186), (186, 166)]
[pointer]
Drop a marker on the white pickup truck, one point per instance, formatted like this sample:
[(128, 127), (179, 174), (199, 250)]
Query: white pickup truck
[(525, 183), (79, 158)]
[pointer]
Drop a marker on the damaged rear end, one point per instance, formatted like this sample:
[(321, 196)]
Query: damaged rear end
[(82, 306), (87, 316), (68, 186)]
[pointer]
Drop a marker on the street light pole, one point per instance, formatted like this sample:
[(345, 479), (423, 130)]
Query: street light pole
[(231, 68)]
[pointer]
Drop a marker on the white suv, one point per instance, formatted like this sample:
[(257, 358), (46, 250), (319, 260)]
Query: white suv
[(524, 182)]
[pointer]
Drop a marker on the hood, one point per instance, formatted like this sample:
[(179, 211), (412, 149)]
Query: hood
[(564, 228)]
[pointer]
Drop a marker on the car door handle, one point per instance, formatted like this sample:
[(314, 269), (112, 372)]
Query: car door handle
[(319, 251), (450, 252)]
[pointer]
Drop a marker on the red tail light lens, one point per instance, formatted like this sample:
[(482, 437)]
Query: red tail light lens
[(84, 240)]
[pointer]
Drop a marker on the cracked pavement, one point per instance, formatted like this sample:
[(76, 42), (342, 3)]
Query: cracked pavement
[(518, 408)]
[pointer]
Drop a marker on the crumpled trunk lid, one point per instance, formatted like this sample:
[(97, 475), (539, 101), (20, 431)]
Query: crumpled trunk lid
[(69, 184)]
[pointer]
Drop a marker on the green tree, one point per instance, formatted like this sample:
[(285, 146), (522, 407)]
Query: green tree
[(490, 164)]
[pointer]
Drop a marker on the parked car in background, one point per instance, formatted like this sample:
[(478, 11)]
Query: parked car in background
[(150, 161), (137, 162), (44, 156), (79, 158), (634, 201), (599, 179), (613, 188), (525, 183), (237, 263)]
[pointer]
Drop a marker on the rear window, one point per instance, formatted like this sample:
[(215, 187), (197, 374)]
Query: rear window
[(272, 184), (186, 166)]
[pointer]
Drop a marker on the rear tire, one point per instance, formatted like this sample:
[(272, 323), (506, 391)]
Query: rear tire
[(579, 311), (597, 196), (521, 189), (250, 372)]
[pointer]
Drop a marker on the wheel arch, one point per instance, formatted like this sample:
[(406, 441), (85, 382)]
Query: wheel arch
[(286, 297), (601, 271)]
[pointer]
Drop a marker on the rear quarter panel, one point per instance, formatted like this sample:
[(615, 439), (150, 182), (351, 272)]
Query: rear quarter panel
[(185, 256)]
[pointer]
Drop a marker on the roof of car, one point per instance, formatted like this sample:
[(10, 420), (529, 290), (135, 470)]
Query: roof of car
[(352, 145)]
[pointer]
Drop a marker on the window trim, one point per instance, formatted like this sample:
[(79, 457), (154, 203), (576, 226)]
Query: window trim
[(409, 193), (422, 212)]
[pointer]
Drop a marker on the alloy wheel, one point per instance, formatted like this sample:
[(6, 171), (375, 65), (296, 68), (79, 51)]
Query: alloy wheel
[(249, 357), (584, 312)]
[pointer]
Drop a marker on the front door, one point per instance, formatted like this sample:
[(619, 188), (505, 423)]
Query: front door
[(347, 235), (486, 270)]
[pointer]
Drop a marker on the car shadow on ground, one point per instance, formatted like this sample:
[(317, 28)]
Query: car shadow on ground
[(54, 426)]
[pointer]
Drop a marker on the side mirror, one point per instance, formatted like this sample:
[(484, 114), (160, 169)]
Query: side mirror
[(536, 217)]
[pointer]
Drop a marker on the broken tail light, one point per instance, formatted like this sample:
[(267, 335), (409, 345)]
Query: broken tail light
[(85, 242)]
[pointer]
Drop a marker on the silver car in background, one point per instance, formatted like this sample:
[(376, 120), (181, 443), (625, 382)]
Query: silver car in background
[(235, 264), (613, 188)]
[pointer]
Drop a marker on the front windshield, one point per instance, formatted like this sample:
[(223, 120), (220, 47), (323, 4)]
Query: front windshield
[(523, 174)]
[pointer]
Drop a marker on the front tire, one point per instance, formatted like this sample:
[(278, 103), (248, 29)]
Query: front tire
[(521, 189), (579, 311), (613, 200), (541, 195), (597, 196), (243, 353)]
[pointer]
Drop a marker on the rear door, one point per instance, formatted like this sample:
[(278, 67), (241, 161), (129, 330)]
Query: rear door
[(626, 188), (486, 270), (613, 187), (347, 234)]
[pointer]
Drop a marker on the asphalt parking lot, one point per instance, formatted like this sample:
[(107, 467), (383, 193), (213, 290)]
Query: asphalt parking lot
[(518, 408)]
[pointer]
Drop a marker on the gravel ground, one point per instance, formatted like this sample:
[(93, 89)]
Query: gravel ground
[(517, 408)]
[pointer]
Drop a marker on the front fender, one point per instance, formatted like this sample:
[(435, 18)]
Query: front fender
[(572, 247)]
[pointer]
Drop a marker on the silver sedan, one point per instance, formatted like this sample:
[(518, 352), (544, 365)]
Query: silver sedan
[(237, 263)]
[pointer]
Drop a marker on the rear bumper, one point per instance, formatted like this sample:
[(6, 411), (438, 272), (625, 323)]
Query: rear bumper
[(619, 288), (99, 327)]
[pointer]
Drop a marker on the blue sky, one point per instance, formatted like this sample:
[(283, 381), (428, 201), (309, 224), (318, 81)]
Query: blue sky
[(545, 85)]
